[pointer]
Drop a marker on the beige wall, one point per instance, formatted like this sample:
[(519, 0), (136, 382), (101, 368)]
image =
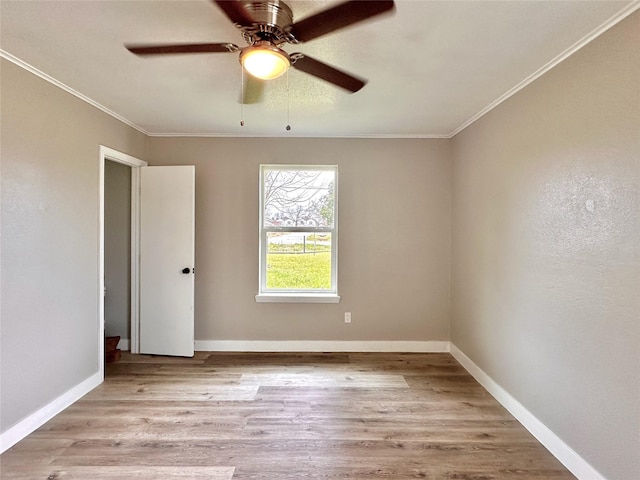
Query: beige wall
[(49, 303), (546, 243), (117, 249), (394, 238), (546, 249)]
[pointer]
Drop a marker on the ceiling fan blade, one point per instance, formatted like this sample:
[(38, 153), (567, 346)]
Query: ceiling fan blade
[(253, 90), (235, 11), (338, 17), (184, 48), (326, 72)]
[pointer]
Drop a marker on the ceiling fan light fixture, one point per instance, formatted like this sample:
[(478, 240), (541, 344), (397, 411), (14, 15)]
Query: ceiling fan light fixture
[(264, 60)]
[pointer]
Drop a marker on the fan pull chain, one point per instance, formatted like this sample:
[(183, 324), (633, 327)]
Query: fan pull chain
[(242, 96), (288, 127)]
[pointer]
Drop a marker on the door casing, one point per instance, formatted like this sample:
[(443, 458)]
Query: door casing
[(107, 153)]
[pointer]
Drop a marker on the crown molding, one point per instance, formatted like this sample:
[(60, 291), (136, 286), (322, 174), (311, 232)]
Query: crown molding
[(618, 17), (39, 73), (30, 68), (288, 135)]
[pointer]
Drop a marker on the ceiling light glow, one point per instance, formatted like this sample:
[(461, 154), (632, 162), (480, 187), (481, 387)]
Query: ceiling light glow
[(265, 61)]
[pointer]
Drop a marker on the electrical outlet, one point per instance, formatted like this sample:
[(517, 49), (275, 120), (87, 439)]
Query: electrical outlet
[(347, 317)]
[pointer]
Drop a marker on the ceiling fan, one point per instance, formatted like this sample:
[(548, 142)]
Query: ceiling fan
[(267, 25)]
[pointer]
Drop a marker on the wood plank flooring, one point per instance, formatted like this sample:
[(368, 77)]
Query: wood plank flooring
[(285, 416)]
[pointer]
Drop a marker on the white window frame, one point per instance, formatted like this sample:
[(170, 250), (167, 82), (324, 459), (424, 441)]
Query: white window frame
[(298, 296)]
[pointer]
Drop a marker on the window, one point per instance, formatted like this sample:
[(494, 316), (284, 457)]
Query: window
[(298, 233)]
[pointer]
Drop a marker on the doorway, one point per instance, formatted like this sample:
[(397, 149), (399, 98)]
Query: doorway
[(132, 166), (117, 257)]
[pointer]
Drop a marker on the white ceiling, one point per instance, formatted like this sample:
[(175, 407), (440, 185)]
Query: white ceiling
[(433, 66)]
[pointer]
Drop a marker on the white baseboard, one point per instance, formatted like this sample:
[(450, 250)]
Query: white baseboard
[(34, 421), (565, 454), (320, 346), (558, 448)]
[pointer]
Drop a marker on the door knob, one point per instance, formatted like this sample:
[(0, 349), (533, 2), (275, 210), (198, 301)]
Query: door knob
[(186, 270)]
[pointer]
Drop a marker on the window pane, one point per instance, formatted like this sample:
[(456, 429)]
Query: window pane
[(299, 260), (298, 198)]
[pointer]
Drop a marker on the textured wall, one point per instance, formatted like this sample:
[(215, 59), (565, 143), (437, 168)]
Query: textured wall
[(546, 249), (546, 269), (49, 303), (394, 238)]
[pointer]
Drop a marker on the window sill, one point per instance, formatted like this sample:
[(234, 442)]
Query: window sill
[(297, 298)]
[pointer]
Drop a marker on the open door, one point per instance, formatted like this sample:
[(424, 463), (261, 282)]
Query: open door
[(167, 256)]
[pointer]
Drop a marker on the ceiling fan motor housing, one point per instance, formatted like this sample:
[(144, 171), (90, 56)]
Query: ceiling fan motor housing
[(271, 21)]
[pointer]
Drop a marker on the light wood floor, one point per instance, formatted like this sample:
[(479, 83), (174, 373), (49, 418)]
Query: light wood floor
[(225, 416)]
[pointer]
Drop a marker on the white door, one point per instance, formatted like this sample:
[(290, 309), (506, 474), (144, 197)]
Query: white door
[(167, 239)]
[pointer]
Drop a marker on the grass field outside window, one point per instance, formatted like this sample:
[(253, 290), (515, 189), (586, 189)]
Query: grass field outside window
[(298, 230), (304, 271)]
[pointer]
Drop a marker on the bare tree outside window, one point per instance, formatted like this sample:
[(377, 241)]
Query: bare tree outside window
[(298, 198), (298, 242)]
